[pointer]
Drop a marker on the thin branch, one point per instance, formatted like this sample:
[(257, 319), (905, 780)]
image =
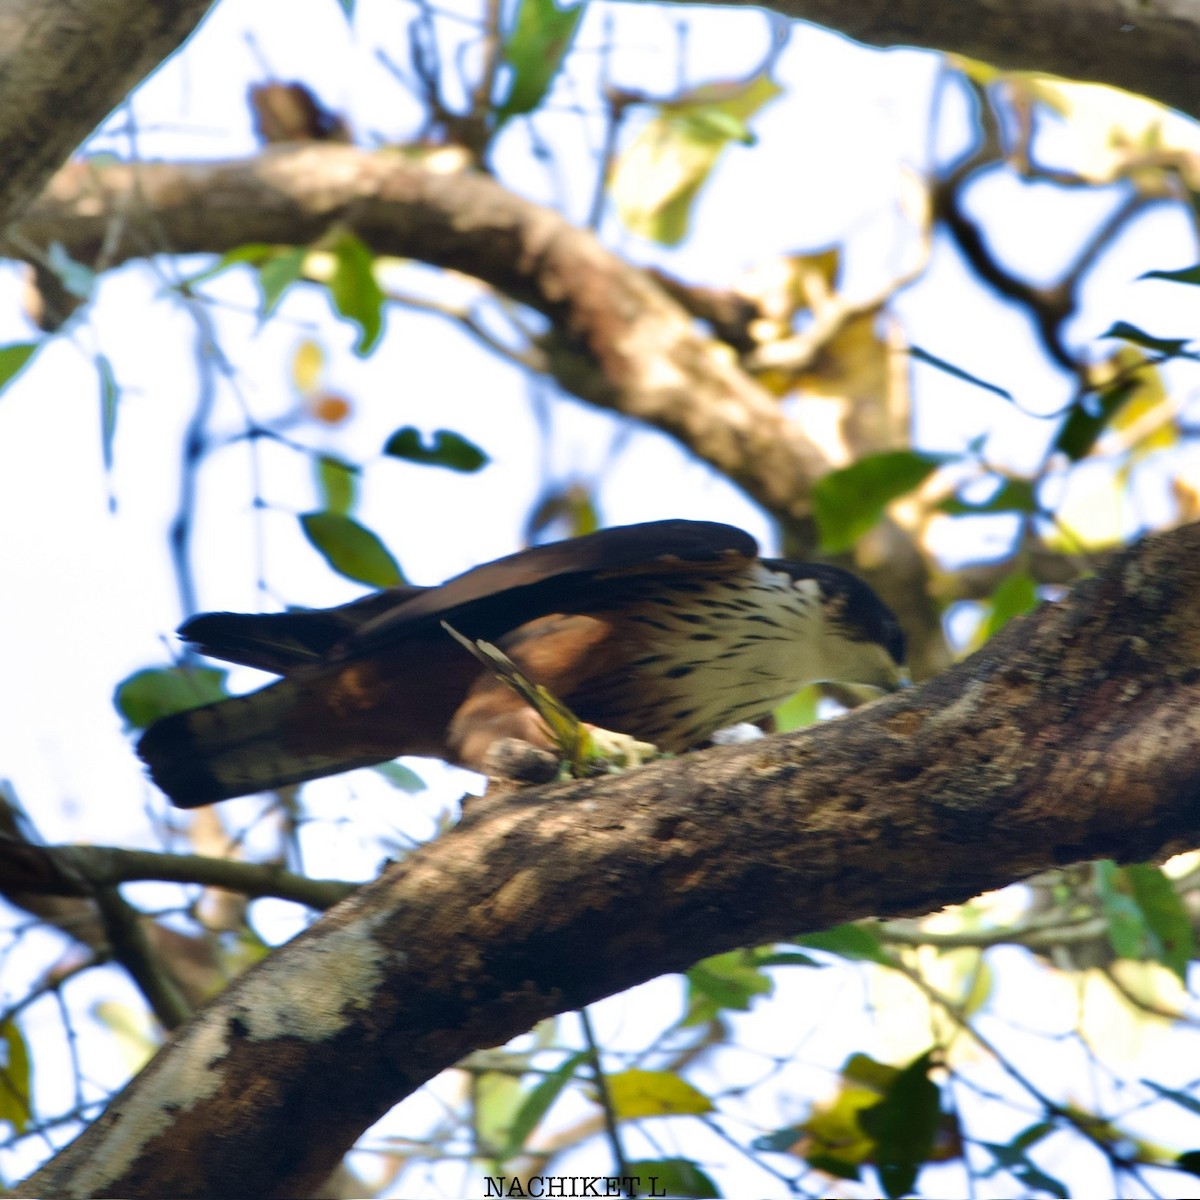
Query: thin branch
[(79, 870), (1041, 932), (528, 359), (1144, 1006), (130, 948), (620, 1162)]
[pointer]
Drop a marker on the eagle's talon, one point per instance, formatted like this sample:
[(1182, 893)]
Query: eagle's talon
[(512, 760), (620, 751)]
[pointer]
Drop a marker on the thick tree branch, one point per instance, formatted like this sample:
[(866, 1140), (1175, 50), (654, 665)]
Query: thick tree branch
[(620, 341), (1071, 735), (64, 67), (1151, 48)]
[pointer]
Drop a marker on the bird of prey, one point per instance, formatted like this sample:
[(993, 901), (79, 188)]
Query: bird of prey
[(665, 631)]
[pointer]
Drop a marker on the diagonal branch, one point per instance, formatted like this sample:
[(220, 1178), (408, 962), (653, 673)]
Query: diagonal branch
[(64, 67), (1071, 735)]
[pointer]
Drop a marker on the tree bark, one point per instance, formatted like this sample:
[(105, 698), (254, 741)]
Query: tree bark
[(64, 66), (1071, 735), (1150, 48)]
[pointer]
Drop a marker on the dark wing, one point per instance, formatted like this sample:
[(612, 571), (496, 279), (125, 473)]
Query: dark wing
[(562, 577), (490, 600), (282, 642)]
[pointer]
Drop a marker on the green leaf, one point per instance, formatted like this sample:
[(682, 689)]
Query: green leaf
[(1032, 1135), (1128, 933), (401, 777), (848, 502), (534, 51), (862, 1069), (1146, 919), (354, 291), (109, 396), (1183, 275), (497, 1096), (904, 1125), (13, 358), (949, 368), (337, 482), (1165, 917), (784, 958), (278, 272), (1171, 347), (1013, 495), (1034, 1179), (156, 692), (1013, 1158), (446, 449), (636, 1094), (724, 981), (1087, 419), (252, 254), (351, 549), (832, 1165), (537, 1102), (15, 1078), (855, 942), (671, 1177), (1015, 595)]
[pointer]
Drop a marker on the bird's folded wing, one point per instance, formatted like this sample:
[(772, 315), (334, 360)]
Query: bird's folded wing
[(283, 642), (568, 576)]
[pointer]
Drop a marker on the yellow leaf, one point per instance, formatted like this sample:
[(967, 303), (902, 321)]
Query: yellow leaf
[(497, 1098), (1106, 133), (782, 287), (853, 365), (1145, 421), (133, 1032), (308, 365), (833, 1129), (1091, 515), (636, 1093), (657, 178)]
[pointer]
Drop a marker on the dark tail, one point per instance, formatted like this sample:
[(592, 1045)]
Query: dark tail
[(239, 746)]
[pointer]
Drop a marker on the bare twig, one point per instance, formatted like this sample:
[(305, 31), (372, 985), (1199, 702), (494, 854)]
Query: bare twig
[(604, 1096), (130, 948), (78, 870)]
